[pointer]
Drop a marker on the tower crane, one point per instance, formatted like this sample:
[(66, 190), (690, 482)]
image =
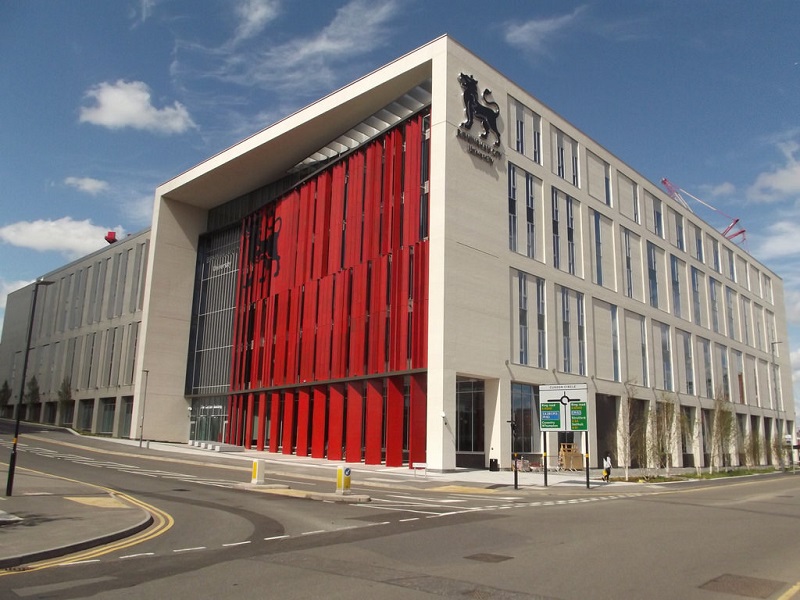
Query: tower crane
[(731, 232)]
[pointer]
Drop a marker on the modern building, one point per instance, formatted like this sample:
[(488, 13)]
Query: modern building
[(392, 273), (83, 340)]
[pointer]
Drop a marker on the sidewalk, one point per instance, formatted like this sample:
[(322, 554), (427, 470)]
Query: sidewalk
[(48, 516)]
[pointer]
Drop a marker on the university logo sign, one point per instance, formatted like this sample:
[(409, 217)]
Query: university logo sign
[(486, 113)]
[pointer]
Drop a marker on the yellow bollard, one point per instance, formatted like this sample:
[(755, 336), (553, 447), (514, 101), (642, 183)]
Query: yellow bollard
[(343, 480)]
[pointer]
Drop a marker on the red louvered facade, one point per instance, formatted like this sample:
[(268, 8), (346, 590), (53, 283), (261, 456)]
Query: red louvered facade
[(330, 331)]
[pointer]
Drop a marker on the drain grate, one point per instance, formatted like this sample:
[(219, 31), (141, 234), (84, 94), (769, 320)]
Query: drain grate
[(488, 558), (749, 587)]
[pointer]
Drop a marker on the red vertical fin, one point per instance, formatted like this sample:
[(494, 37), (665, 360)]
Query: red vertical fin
[(394, 420), (374, 446), (318, 432), (335, 421), (355, 416)]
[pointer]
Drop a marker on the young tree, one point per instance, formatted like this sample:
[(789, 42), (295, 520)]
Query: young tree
[(753, 449), (65, 391), (668, 429), (722, 430), (5, 394), (32, 396)]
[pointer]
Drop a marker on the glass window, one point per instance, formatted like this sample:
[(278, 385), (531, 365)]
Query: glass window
[(652, 273), (530, 215), (523, 319), (469, 415), (598, 248), (524, 416), (512, 208)]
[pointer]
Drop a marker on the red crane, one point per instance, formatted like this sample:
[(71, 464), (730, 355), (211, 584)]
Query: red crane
[(731, 232)]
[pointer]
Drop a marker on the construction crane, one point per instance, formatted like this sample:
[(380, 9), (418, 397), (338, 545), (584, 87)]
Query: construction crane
[(731, 232)]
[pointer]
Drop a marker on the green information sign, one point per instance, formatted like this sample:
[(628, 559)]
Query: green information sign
[(550, 416), (577, 416)]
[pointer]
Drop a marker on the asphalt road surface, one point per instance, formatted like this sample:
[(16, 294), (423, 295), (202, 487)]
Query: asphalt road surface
[(732, 539)]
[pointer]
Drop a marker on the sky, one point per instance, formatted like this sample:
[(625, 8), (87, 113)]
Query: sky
[(103, 100)]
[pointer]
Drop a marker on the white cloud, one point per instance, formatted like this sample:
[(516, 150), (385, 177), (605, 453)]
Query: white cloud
[(535, 36), (306, 65), (139, 209), (723, 189), (254, 15), (779, 240), (87, 184), (781, 182), (71, 238), (128, 104)]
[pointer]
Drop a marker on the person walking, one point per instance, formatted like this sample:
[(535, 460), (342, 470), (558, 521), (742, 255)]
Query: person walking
[(607, 466)]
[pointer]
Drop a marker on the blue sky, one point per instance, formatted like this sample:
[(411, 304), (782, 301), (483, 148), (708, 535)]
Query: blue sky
[(103, 100)]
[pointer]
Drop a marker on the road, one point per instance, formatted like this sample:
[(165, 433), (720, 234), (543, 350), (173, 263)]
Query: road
[(730, 539)]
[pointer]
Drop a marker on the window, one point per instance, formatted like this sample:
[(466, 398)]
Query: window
[(540, 324), (581, 335), (469, 415), (652, 273), (523, 319), (745, 320), (575, 181), (687, 363), (723, 361), (556, 239), (524, 417), (530, 203), (676, 285), (626, 240), (598, 249), (715, 255), (529, 349), (698, 244), (570, 236), (679, 231), (729, 314), (520, 128), (712, 301), (706, 346), (565, 331), (512, 208), (666, 356), (696, 314), (658, 220), (537, 139), (731, 264), (643, 336), (614, 341)]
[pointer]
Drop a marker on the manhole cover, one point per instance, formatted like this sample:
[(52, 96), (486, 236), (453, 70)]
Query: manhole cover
[(488, 558), (180, 490), (750, 587)]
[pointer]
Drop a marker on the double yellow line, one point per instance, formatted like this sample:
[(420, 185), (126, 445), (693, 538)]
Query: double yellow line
[(162, 522)]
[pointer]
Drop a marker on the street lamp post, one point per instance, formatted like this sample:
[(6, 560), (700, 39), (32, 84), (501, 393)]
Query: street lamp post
[(144, 403), (12, 461)]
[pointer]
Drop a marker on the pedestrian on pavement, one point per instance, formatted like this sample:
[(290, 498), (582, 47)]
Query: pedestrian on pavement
[(607, 466)]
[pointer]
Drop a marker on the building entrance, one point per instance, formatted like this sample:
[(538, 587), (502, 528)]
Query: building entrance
[(208, 420), (470, 447)]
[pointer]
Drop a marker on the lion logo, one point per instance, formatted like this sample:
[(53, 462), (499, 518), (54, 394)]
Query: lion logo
[(485, 113)]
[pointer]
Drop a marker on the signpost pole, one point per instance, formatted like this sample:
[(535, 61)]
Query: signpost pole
[(586, 451), (544, 456)]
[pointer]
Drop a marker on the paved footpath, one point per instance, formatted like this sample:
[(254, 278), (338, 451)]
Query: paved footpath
[(49, 516)]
